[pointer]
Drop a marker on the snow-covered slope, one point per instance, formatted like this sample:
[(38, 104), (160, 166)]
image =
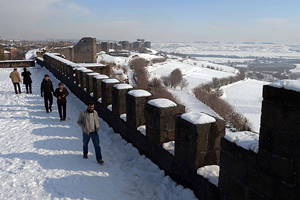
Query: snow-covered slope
[(246, 98), (192, 104), (194, 74), (41, 157)]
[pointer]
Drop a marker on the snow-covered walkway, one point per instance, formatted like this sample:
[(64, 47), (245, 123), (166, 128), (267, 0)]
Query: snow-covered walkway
[(41, 157)]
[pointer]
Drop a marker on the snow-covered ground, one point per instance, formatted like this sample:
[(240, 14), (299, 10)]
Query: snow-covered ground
[(192, 104), (246, 97), (225, 49), (194, 74), (222, 60), (41, 157)]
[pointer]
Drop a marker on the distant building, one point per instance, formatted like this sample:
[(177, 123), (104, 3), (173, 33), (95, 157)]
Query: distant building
[(85, 51), (147, 44)]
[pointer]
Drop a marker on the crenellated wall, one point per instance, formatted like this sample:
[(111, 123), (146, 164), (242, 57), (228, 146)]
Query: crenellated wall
[(271, 171), (140, 119)]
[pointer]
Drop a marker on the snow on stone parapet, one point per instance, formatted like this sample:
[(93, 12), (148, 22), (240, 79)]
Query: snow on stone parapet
[(247, 140), (210, 172), (170, 147), (81, 68), (110, 80), (287, 84), (198, 118), (123, 117), (162, 103), (123, 86), (92, 74), (101, 76), (139, 93), (142, 129), (87, 70)]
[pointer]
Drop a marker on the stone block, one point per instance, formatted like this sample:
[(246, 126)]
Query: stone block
[(135, 110), (283, 169), (106, 91), (233, 166), (97, 86), (162, 122), (281, 96), (262, 183), (83, 77), (280, 119), (286, 191), (89, 82), (119, 99), (264, 160), (235, 189)]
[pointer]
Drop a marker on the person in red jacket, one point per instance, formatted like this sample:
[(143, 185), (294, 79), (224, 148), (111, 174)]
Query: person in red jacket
[(61, 93)]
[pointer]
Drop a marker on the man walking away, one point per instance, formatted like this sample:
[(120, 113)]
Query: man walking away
[(46, 92), (89, 123), (27, 80), (61, 93), (16, 79)]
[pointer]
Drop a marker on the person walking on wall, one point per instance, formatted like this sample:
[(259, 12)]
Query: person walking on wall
[(27, 80), (89, 122), (47, 92), (61, 93), (16, 79)]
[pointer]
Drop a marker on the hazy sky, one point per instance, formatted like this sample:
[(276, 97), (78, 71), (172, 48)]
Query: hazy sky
[(155, 20)]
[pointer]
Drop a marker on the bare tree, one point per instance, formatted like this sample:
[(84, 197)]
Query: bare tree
[(166, 81), (183, 84)]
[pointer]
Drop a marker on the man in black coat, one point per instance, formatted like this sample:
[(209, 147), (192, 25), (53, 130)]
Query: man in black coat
[(46, 92), (61, 93), (27, 80)]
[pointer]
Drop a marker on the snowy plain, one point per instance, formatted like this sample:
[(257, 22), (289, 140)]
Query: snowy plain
[(234, 49), (41, 157)]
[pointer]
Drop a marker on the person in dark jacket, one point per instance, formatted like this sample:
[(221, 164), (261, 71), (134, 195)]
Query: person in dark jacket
[(61, 93), (27, 80), (46, 92)]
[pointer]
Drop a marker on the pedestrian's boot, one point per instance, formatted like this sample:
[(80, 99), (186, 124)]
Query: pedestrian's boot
[(101, 162)]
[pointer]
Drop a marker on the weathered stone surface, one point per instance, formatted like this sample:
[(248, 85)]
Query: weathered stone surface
[(160, 123), (135, 110)]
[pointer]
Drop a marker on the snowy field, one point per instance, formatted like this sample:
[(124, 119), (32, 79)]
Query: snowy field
[(246, 97), (41, 157), (297, 69), (194, 74), (225, 49)]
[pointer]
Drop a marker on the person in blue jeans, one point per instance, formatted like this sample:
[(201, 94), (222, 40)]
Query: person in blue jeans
[(89, 122)]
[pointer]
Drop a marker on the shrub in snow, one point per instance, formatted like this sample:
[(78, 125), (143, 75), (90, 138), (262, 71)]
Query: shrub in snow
[(175, 77), (159, 90), (141, 74)]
